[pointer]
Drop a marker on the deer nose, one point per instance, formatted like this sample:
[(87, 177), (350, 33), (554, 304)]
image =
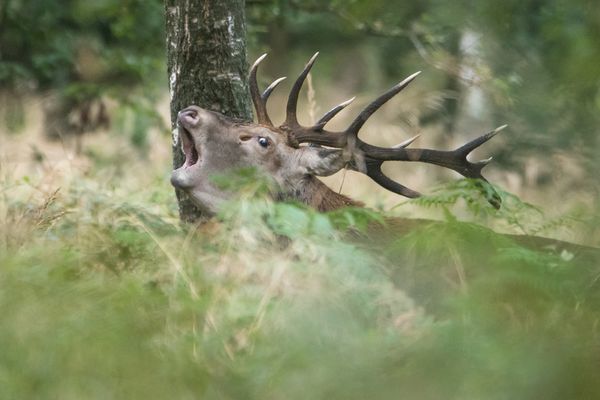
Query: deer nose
[(188, 114)]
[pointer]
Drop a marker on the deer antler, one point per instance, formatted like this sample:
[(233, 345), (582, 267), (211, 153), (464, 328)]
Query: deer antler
[(366, 157), (260, 100)]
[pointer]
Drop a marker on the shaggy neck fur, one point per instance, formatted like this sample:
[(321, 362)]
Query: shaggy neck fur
[(317, 195)]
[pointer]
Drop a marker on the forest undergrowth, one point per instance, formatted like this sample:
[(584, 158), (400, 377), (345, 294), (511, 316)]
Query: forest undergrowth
[(104, 294)]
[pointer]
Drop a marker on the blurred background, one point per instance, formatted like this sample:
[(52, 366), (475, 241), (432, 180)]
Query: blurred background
[(86, 82)]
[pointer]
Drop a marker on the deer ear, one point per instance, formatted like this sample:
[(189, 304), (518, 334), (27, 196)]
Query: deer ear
[(320, 161)]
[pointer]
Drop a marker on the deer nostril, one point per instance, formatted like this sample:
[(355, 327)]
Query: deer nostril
[(188, 113)]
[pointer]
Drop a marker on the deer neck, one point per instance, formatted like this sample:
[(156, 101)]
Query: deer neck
[(316, 194)]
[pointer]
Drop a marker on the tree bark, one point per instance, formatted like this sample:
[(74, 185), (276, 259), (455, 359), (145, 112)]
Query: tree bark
[(206, 60)]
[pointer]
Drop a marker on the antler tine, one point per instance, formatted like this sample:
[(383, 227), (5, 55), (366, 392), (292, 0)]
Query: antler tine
[(269, 90), (331, 113), (259, 102), (360, 120), (473, 144), (374, 172), (406, 143), (316, 134), (291, 119), (454, 159)]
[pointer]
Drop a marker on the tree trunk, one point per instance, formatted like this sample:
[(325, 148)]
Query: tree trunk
[(206, 60)]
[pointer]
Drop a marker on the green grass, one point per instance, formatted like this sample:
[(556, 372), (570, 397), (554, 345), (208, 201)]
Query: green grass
[(103, 294)]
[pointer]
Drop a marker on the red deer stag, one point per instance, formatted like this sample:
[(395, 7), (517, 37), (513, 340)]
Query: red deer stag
[(213, 143)]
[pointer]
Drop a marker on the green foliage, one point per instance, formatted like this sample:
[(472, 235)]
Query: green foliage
[(517, 316), (249, 180), (104, 294), (475, 196), (85, 51), (52, 44), (138, 116)]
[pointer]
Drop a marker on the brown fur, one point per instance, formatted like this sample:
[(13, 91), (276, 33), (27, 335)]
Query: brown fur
[(320, 197)]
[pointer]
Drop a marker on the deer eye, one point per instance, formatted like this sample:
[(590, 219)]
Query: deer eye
[(263, 141)]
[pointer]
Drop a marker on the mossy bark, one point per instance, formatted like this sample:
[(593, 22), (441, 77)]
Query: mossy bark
[(206, 60)]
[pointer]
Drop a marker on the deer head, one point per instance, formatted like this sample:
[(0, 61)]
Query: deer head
[(294, 155)]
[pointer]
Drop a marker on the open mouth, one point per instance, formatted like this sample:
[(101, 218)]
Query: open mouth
[(189, 148)]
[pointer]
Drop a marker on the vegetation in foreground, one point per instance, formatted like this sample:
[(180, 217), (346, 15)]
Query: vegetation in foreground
[(103, 294)]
